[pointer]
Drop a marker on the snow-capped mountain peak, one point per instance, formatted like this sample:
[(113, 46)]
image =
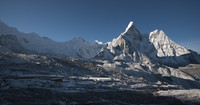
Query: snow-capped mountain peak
[(165, 46), (132, 32), (158, 33), (129, 25), (165, 51), (127, 47)]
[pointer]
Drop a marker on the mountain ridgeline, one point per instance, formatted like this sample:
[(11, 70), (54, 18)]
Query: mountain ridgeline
[(130, 46)]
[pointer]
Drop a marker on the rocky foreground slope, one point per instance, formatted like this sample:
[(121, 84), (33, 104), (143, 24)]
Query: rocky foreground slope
[(132, 63)]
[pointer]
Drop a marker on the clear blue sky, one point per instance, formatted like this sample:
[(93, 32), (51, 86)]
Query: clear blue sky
[(103, 20)]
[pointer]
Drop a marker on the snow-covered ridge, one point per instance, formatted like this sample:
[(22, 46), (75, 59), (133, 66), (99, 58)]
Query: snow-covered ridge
[(34, 43)]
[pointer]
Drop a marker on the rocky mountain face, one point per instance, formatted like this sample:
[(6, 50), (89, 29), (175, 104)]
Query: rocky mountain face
[(9, 43)]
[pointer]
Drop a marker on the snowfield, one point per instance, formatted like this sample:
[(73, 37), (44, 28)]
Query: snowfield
[(191, 95)]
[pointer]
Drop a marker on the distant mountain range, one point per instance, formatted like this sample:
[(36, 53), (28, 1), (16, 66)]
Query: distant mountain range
[(130, 46)]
